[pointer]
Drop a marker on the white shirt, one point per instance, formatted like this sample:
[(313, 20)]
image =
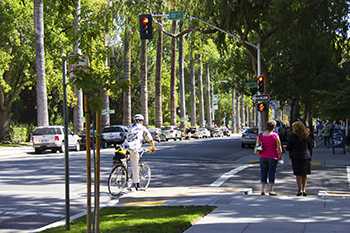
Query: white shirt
[(137, 134)]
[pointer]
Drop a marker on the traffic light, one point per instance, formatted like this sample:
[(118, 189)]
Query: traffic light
[(261, 84), (261, 107), (146, 30)]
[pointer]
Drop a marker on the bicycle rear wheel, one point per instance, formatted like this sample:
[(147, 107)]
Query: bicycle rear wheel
[(145, 175), (117, 180)]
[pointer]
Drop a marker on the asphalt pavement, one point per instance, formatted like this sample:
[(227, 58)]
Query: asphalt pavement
[(32, 185)]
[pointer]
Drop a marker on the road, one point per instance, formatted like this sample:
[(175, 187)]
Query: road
[(32, 186)]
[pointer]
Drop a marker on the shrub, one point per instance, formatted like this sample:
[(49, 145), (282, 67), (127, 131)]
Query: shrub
[(20, 133)]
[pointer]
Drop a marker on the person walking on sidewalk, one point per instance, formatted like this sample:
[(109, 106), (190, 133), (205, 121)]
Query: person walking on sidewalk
[(300, 146), (270, 152)]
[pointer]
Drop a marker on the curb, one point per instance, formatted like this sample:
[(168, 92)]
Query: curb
[(62, 222)]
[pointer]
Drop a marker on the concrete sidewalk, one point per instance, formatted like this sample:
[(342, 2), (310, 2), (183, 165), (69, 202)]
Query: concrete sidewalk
[(242, 211)]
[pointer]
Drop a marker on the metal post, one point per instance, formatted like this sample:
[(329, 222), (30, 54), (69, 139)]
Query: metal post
[(259, 114), (66, 155)]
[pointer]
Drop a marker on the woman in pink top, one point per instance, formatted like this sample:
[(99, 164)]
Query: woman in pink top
[(269, 155)]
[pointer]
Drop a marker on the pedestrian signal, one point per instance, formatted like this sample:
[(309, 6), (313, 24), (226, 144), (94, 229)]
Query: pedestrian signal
[(146, 30), (261, 84), (261, 107)]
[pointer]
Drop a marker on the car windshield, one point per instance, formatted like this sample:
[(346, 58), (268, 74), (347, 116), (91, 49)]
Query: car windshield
[(253, 131), (166, 128), (47, 131), (112, 129)]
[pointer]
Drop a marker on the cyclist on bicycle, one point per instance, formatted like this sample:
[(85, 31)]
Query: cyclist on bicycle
[(137, 134)]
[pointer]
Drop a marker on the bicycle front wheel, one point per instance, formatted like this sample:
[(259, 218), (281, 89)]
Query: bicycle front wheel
[(145, 175), (117, 180)]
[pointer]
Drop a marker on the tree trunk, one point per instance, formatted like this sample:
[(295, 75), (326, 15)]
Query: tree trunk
[(238, 114), (243, 118), (5, 122), (127, 79), (294, 111), (233, 113), (78, 113), (200, 94), (41, 93), (208, 105), (193, 90), (143, 78), (173, 78), (182, 81), (158, 81), (106, 120)]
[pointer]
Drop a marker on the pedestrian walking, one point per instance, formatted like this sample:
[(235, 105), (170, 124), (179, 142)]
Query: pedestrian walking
[(269, 150), (300, 145)]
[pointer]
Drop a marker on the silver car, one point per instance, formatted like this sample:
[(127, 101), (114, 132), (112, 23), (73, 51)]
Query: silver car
[(52, 138), (249, 137), (114, 134), (205, 133), (170, 132)]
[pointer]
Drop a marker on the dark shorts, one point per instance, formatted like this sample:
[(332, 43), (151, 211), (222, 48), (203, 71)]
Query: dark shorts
[(301, 167)]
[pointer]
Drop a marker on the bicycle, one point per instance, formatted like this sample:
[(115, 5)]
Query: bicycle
[(120, 177)]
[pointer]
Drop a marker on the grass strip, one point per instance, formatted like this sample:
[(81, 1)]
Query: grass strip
[(160, 219)]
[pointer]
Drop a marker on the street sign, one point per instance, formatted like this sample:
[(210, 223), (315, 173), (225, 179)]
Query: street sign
[(261, 98), (175, 15), (106, 112), (251, 84), (215, 99)]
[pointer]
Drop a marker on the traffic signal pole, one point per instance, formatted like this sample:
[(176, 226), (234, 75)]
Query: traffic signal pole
[(258, 58)]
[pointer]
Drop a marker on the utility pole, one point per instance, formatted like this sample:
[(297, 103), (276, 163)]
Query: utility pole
[(259, 114), (66, 152)]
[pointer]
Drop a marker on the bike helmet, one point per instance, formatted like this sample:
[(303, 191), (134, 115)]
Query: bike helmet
[(139, 117)]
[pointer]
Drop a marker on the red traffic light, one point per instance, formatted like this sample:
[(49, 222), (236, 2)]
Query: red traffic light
[(261, 84), (144, 21), (146, 30)]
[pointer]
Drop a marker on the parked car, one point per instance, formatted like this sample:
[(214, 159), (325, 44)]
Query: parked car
[(155, 132), (196, 133), (170, 132), (249, 137), (52, 138), (188, 133), (114, 134), (92, 140), (204, 132), (226, 131), (216, 132)]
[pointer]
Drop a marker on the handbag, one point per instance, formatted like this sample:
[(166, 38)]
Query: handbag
[(258, 146)]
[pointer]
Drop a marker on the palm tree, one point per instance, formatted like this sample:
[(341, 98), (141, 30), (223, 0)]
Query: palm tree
[(127, 78), (193, 89), (158, 80), (78, 109), (200, 94), (173, 78), (41, 93), (208, 106), (182, 80), (143, 78)]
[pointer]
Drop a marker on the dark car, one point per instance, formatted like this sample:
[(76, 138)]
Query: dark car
[(92, 140), (249, 137), (114, 134)]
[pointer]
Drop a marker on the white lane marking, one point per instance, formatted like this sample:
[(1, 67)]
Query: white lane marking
[(348, 171), (222, 179)]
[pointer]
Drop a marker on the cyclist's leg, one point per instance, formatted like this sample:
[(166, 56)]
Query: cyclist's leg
[(134, 162)]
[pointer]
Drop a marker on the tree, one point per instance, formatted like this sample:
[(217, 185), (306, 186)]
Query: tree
[(42, 110)]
